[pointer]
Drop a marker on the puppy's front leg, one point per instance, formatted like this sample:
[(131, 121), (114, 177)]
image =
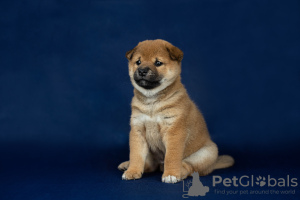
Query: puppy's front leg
[(138, 153), (174, 142)]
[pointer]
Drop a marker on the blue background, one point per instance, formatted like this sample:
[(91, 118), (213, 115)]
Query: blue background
[(65, 92)]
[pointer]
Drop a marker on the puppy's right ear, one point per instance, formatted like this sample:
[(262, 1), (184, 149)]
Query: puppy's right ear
[(129, 54)]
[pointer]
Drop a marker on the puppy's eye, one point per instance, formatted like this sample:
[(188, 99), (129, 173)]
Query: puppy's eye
[(158, 63), (138, 62)]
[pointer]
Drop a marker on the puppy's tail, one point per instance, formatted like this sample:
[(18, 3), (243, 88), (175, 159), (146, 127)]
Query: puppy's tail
[(224, 161)]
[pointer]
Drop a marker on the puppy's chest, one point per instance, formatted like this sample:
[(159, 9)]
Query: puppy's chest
[(155, 123), (153, 133)]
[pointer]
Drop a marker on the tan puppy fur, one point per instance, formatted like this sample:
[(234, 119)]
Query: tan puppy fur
[(167, 129)]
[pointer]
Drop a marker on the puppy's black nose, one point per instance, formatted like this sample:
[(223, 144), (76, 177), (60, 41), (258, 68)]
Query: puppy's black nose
[(143, 71)]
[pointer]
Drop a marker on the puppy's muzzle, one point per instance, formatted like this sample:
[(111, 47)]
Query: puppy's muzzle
[(146, 78), (145, 73)]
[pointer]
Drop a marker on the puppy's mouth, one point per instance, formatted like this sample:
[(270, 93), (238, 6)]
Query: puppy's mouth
[(147, 82)]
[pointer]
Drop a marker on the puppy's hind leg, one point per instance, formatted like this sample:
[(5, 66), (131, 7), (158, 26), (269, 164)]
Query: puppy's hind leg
[(150, 164), (203, 160), (124, 166)]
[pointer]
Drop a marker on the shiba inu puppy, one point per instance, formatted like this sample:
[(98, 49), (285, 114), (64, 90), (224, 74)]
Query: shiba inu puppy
[(167, 129)]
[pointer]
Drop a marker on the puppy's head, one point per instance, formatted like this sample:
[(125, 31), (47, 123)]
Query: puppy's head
[(154, 65)]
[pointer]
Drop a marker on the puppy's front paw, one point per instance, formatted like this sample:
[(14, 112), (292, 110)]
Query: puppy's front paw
[(170, 178), (130, 174)]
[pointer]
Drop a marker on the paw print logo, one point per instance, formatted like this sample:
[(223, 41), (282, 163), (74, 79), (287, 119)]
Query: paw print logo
[(261, 181)]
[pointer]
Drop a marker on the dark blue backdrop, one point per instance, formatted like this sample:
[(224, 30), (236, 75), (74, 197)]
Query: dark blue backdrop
[(65, 92)]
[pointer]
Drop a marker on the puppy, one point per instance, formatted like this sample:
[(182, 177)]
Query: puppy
[(167, 129)]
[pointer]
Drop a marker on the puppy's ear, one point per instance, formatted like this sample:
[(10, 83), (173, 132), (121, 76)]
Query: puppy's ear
[(174, 52), (129, 54)]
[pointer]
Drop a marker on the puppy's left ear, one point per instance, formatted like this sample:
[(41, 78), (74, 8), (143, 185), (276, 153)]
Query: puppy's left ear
[(129, 54), (174, 52)]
